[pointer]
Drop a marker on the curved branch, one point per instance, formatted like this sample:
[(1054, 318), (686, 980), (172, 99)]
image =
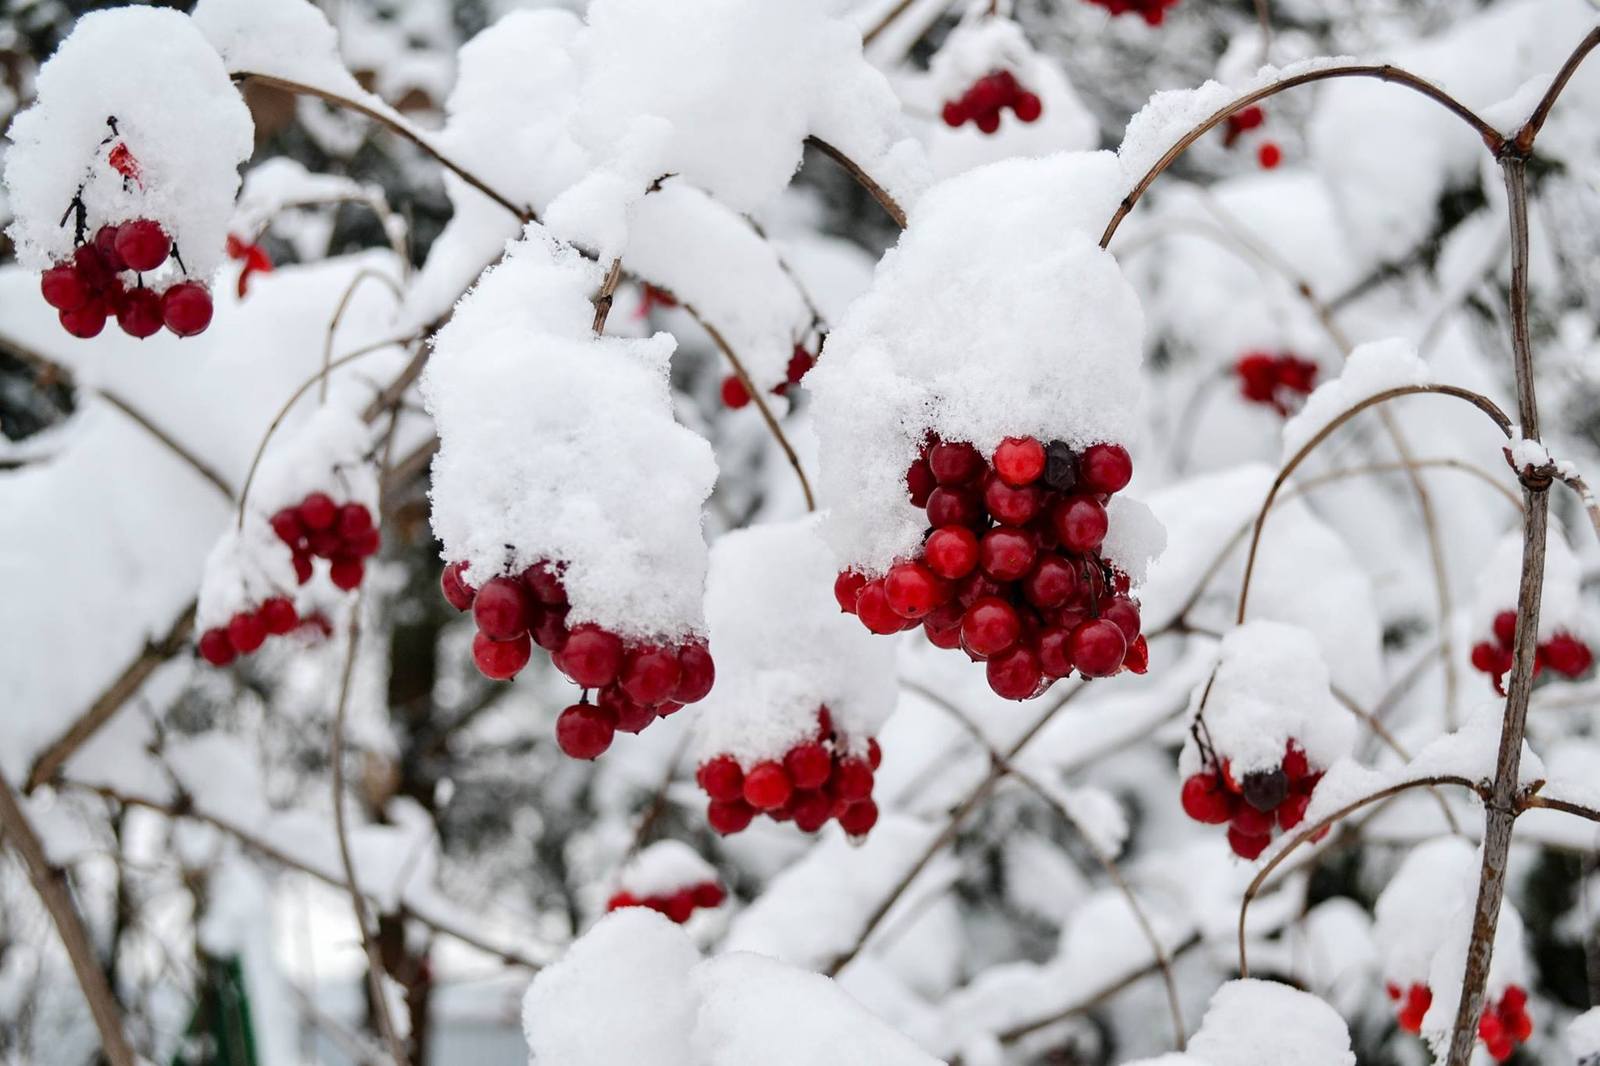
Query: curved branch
[(1491, 137), (338, 316), (1564, 806), (863, 179), (391, 122), (1523, 139), (1381, 731)]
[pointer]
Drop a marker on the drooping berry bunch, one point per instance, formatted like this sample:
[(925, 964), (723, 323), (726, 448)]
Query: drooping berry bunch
[(636, 682), (991, 94), (252, 255), (1566, 654), (344, 534), (91, 286), (1502, 1026), (247, 630), (678, 906), (1280, 380), (1241, 122), (1152, 11), (735, 395), (1254, 807), (821, 778), (1010, 570)]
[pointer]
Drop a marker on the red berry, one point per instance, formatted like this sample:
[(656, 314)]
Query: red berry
[(549, 628), (846, 587), (1098, 647), (85, 321), (627, 714), (1012, 506), (1295, 764), (592, 657), (919, 482), (140, 313), (1491, 1029), (708, 894), (584, 731), (1105, 469), (279, 616), (1486, 657), (544, 582), (501, 609), (1567, 655), (989, 121), (246, 631), (1055, 651), (727, 818), (721, 778), (954, 464), (1014, 674), (1028, 107), (912, 590), (1251, 821), (852, 781), (500, 660), (1080, 523), (858, 819), (1269, 154), (63, 288), (734, 394), (1505, 627), (953, 113), (767, 786), (104, 243), (186, 308), (142, 244), (216, 648), (1006, 554), (650, 674), (874, 753), (951, 551), (1246, 846), (1051, 583), (808, 765), (620, 900), (354, 521), (800, 362), (302, 566), (953, 507), (1205, 800), (1293, 809), (1137, 661), (812, 810), (1514, 1000), (1019, 461), (1125, 614), (943, 625), (990, 626), (679, 906), (318, 511), (872, 607), (453, 583), (696, 673)]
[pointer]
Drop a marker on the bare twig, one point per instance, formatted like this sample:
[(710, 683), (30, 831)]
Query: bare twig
[(863, 179), (607, 294), (1522, 140), (365, 274)]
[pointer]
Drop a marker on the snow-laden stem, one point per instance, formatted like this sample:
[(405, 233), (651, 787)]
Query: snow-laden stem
[(1564, 806), (863, 179), (365, 274), (606, 296), (1500, 806), (1522, 140), (51, 886)]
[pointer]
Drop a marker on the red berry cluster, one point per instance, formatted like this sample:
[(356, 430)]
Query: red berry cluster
[(653, 298), (248, 630), (1152, 11), (1010, 570), (636, 682), (1564, 653), (252, 255), (735, 395), (89, 288), (678, 906), (344, 534), (1502, 1026), (1254, 807), (814, 781), (1241, 122), (1278, 379), (988, 96)]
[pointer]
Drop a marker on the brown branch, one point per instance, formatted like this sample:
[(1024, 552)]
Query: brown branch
[(884, 23), (51, 887), (1105, 992), (338, 317), (1381, 731), (1522, 140), (1490, 136), (393, 123), (863, 179), (1591, 506), (1564, 806), (606, 296)]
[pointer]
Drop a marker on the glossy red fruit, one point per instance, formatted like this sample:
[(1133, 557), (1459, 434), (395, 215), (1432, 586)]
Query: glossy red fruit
[(142, 244), (1269, 155), (953, 507), (63, 288), (872, 607), (767, 786), (318, 512), (943, 625), (1251, 821), (186, 308), (912, 590), (1012, 506), (951, 551), (1137, 660), (1125, 613), (1567, 655), (727, 818), (708, 894), (1080, 523), (1051, 583), (1292, 811), (139, 313), (812, 810), (1019, 461), (954, 463), (852, 781), (953, 114), (246, 632), (549, 629), (1055, 651), (216, 648), (1006, 554), (627, 713), (453, 583), (86, 320), (1505, 627), (1028, 107), (1098, 647), (1105, 469), (1486, 657), (990, 626), (721, 778), (278, 615), (1014, 674), (989, 121), (874, 753), (650, 674), (302, 566), (592, 657), (544, 582), (1205, 800), (1246, 846), (697, 673), (501, 609), (846, 587), (920, 482), (808, 765), (858, 819), (1515, 1000), (584, 731), (354, 521), (1295, 764), (734, 394), (501, 660), (104, 243)]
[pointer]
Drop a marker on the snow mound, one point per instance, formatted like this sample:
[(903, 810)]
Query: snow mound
[(1263, 1023), (1371, 369), (663, 868)]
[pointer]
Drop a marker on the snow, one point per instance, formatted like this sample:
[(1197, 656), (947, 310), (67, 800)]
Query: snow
[(1561, 606), (331, 452), (1270, 687), (1371, 369), (1417, 908), (1263, 1023), (504, 493), (175, 110), (995, 316), (1135, 537), (1583, 1037), (288, 39), (784, 649), (663, 868), (246, 567)]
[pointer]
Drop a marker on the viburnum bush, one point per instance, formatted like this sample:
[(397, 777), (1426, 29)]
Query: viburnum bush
[(1009, 560)]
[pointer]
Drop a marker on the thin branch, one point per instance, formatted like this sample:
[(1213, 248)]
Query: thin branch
[(338, 316), (1564, 806), (606, 296), (863, 179), (1523, 139), (51, 886), (877, 28), (1591, 506), (1381, 731)]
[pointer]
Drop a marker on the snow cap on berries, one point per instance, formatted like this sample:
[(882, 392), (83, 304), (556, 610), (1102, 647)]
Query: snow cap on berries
[(1267, 1023), (559, 445), (1560, 603), (1416, 909), (1271, 686), (784, 649), (182, 125), (289, 39), (663, 868), (245, 567), (996, 316), (330, 452)]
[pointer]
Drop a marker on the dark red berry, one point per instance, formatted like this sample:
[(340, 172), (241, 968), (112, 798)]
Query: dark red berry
[(628, 714), (544, 582), (951, 551), (721, 778), (302, 566), (1006, 554), (1012, 506), (1246, 846), (912, 590), (953, 507), (727, 818), (279, 616), (1055, 651), (500, 660), (142, 244), (1292, 811), (1019, 461), (953, 114), (1098, 647), (990, 626), (808, 765), (872, 607), (1205, 800), (734, 394), (846, 587), (1125, 613), (1105, 469), (592, 657), (318, 511), (919, 482), (104, 243), (354, 522), (696, 673), (954, 463), (186, 308), (246, 632), (63, 288), (453, 583), (767, 786), (650, 674), (812, 810), (1269, 155), (943, 625), (1567, 655), (1028, 107), (858, 819), (989, 121), (1080, 523), (1051, 583), (584, 731), (1014, 674), (852, 781), (216, 648), (549, 628), (501, 609), (86, 320)]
